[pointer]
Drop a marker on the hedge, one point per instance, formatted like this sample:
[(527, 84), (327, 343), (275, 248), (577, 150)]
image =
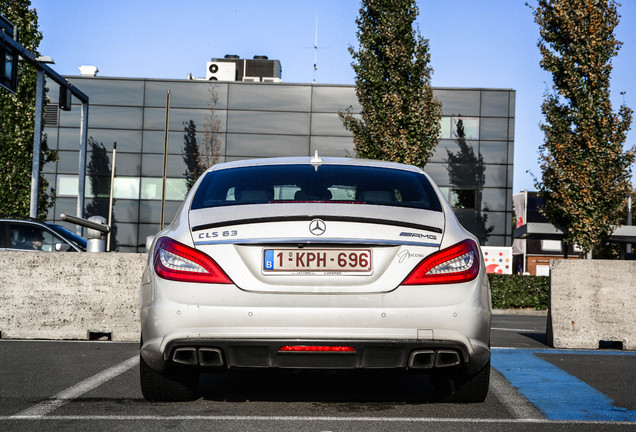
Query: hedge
[(517, 291)]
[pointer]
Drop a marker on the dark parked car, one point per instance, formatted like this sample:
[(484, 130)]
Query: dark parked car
[(34, 235)]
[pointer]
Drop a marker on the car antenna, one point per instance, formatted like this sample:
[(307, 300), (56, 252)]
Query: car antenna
[(316, 161)]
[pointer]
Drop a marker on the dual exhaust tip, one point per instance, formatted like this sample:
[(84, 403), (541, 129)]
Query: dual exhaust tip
[(204, 357), (428, 359)]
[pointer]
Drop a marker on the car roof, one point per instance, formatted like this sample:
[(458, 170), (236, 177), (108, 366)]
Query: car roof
[(319, 161)]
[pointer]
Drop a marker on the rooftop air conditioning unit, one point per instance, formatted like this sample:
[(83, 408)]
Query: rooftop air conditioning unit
[(271, 79), (220, 71), (251, 79)]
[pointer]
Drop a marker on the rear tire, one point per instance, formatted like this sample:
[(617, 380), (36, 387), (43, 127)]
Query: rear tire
[(457, 387), (176, 385)]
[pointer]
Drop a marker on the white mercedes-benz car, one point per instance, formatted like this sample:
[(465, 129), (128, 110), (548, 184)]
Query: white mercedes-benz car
[(310, 263)]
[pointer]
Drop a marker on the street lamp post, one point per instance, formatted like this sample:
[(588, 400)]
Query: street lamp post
[(37, 137)]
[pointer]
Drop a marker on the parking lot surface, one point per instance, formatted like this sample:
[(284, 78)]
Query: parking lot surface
[(64, 385)]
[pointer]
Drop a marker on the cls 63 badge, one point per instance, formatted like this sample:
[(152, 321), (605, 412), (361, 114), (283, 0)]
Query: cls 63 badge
[(217, 234)]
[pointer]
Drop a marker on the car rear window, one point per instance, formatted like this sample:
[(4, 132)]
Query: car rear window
[(281, 184)]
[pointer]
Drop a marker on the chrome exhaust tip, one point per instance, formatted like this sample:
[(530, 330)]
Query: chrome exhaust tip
[(422, 359), (185, 355), (447, 358), (210, 357)]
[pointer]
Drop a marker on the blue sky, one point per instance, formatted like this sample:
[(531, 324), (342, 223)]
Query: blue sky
[(485, 44)]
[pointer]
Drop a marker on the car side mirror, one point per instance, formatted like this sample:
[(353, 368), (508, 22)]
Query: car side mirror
[(62, 247)]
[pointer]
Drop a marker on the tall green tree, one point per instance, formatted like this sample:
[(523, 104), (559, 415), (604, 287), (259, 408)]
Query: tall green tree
[(585, 170), (17, 119), (400, 118)]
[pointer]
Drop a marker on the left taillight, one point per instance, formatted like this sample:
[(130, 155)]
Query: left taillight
[(457, 263), (176, 261)]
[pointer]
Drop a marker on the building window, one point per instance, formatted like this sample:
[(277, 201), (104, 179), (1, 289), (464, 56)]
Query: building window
[(463, 199), (471, 127), (67, 185), (152, 187)]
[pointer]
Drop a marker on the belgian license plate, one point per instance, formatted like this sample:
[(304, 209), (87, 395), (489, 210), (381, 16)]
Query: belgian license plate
[(317, 260)]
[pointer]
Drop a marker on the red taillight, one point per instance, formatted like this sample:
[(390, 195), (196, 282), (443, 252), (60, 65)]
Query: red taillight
[(176, 261), (316, 348), (458, 263)]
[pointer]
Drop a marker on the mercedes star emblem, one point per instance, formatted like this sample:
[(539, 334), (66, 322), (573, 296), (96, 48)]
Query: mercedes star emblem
[(317, 227)]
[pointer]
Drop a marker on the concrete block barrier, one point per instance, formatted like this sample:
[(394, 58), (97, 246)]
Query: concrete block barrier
[(77, 296), (592, 304)]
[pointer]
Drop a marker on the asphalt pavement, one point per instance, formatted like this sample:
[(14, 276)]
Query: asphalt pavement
[(59, 385)]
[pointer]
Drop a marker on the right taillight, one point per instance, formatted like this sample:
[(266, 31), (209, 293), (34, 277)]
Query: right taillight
[(175, 261), (457, 263)]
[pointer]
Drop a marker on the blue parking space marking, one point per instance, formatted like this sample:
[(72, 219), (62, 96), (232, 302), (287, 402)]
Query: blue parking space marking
[(557, 394)]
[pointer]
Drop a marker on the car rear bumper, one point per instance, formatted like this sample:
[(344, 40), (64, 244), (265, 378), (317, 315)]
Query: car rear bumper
[(248, 329)]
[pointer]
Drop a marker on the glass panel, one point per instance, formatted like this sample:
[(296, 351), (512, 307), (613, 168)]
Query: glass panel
[(260, 122), (494, 104), (479, 224), (451, 149), (270, 97), (155, 118), (152, 188), (71, 118), (191, 94), (127, 164), (154, 142), (125, 210), (332, 146), (152, 166), (463, 198), (103, 91), (438, 172), (51, 138), (145, 231), (126, 188), (493, 199), (150, 211), (328, 124), (69, 139), (496, 176), (65, 205), (494, 129), (494, 152), (109, 118), (446, 128), (127, 140), (459, 102), (125, 236), (266, 145), (498, 221), (68, 162), (333, 99), (67, 185), (511, 129), (470, 127), (495, 240), (513, 101)]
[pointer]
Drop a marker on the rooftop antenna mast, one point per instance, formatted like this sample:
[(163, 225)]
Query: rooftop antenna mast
[(316, 51)]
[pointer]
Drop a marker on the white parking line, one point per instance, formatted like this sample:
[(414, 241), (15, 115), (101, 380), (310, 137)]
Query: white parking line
[(43, 408)]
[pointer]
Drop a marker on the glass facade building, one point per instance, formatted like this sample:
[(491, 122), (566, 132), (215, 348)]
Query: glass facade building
[(472, 164)]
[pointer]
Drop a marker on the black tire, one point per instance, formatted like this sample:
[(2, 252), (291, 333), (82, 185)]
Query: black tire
[(177, 385), (455, 386)]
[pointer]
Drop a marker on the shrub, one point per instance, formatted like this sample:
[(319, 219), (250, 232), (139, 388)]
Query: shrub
[(517, 291)]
